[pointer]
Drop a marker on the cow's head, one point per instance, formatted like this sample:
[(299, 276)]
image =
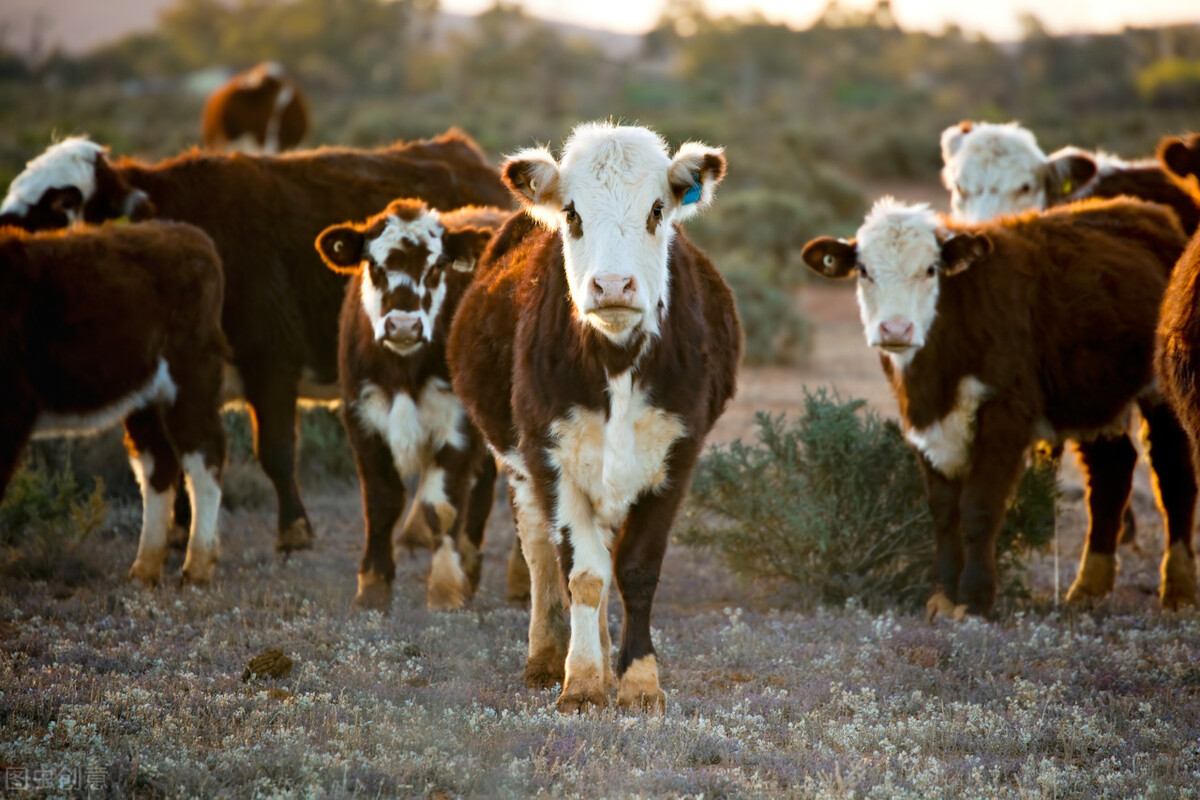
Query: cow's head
[(992, 170), (71, 182), (615, 198), (1181, 156), (407, 260), (901, 255)]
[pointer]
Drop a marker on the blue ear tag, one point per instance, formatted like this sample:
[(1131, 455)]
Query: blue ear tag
[(692, 195)]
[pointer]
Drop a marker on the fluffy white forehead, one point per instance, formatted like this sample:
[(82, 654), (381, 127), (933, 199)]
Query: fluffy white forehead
[(617, 158), (71, 162), (898, 234), (990, 150), (425, 230)]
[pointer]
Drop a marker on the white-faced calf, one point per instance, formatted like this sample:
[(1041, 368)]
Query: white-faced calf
[(1039, 326), (595, 351), (409, 273), (121, 322)]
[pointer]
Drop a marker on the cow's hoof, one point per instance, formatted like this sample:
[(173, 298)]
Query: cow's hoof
[(177, 537), (1097, 575), (199, 568), (297, 536), (638, 688), (520, 590), (147, 570), (545, 669), (374, 593), (1178, 586), (942, 606), (581, 696)]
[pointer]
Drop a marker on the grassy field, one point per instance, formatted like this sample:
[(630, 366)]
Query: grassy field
[(124, 692)]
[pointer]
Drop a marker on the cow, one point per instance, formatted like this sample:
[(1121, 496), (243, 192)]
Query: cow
[(595, 350), (1180, 156), (120, 323), (408, 267), (261, 110), (1034, 327), (281, 305)]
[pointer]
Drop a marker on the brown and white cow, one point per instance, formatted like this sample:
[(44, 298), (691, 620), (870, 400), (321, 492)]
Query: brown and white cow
[(263, 212), (261, 110), (112, 323), (409, 268), (595, 350), (994, 335)]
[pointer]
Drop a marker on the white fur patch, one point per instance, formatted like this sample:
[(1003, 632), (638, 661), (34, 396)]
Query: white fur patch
[(947, 443), (158, 389), (414, 430), (993, 170), (157, 509), (71, 162), (204, 491)]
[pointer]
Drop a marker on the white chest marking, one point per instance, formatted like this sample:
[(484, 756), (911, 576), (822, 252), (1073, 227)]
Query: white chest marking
[(604, 465), (158, 389), (947, 443), (414, 431)]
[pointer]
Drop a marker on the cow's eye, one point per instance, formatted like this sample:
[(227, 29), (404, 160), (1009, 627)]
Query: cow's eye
[(862, 272), (1025, 188), (929, 273), (570, 212), (656, 211), (961, 191)]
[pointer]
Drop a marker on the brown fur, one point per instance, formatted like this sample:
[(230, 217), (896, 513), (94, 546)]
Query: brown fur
[(85, 317), (521, 360), (1150, 181), (246, 106), (281, 304)]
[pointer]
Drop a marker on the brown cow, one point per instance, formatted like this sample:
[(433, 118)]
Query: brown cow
[(994, 335), (263, 212), (409, 267), (595, 350), (120, 322), (261, 110)]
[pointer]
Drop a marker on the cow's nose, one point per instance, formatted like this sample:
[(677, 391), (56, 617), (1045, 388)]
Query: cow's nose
[(896, 332), (614, 290), (403, 327)]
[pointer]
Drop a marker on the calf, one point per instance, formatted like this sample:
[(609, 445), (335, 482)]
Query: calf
[(120, 322), (595, 350), (1038, 326), (263, 212), (260, 110), (408, 273)]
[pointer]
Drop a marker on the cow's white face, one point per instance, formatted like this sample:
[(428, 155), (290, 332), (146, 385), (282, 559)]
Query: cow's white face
[(51, 190), (615, 198), (901, 254), (404, 254), (992, 170)]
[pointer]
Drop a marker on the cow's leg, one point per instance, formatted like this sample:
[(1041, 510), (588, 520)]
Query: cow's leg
[(944, 496), (518, 580), (444, 498), (587, 565), (1108, 464), (177, 536), (1175, 493), (383, 500), (156, 467), (272, 399), (998, 458), (415, 533), (544, 665), (194, 426), (16, 424), (479, 508)]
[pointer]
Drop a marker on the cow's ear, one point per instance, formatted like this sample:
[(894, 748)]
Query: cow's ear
[(694, 175), (833, 258), (1067, 171), (463, 247), (1179, 157), (114, 198), (341, 248), (952, 139), (961, 250), (532, 176)]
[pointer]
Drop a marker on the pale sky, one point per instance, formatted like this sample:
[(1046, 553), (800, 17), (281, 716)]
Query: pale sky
[(996, 18)]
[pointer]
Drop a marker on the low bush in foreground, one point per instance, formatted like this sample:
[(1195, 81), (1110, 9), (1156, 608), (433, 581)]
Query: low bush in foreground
[(834, 506)]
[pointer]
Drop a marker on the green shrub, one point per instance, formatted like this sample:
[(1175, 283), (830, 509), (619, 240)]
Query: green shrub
[(776, 332), (40, 499), (834, 506)]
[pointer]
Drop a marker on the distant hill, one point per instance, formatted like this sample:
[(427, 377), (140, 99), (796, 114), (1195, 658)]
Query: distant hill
[(76, 26)]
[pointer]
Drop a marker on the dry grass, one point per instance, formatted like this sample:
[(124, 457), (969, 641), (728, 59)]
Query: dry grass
[(144, 689)]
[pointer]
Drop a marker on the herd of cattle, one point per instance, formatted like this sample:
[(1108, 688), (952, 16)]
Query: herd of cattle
[(585, 346)]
